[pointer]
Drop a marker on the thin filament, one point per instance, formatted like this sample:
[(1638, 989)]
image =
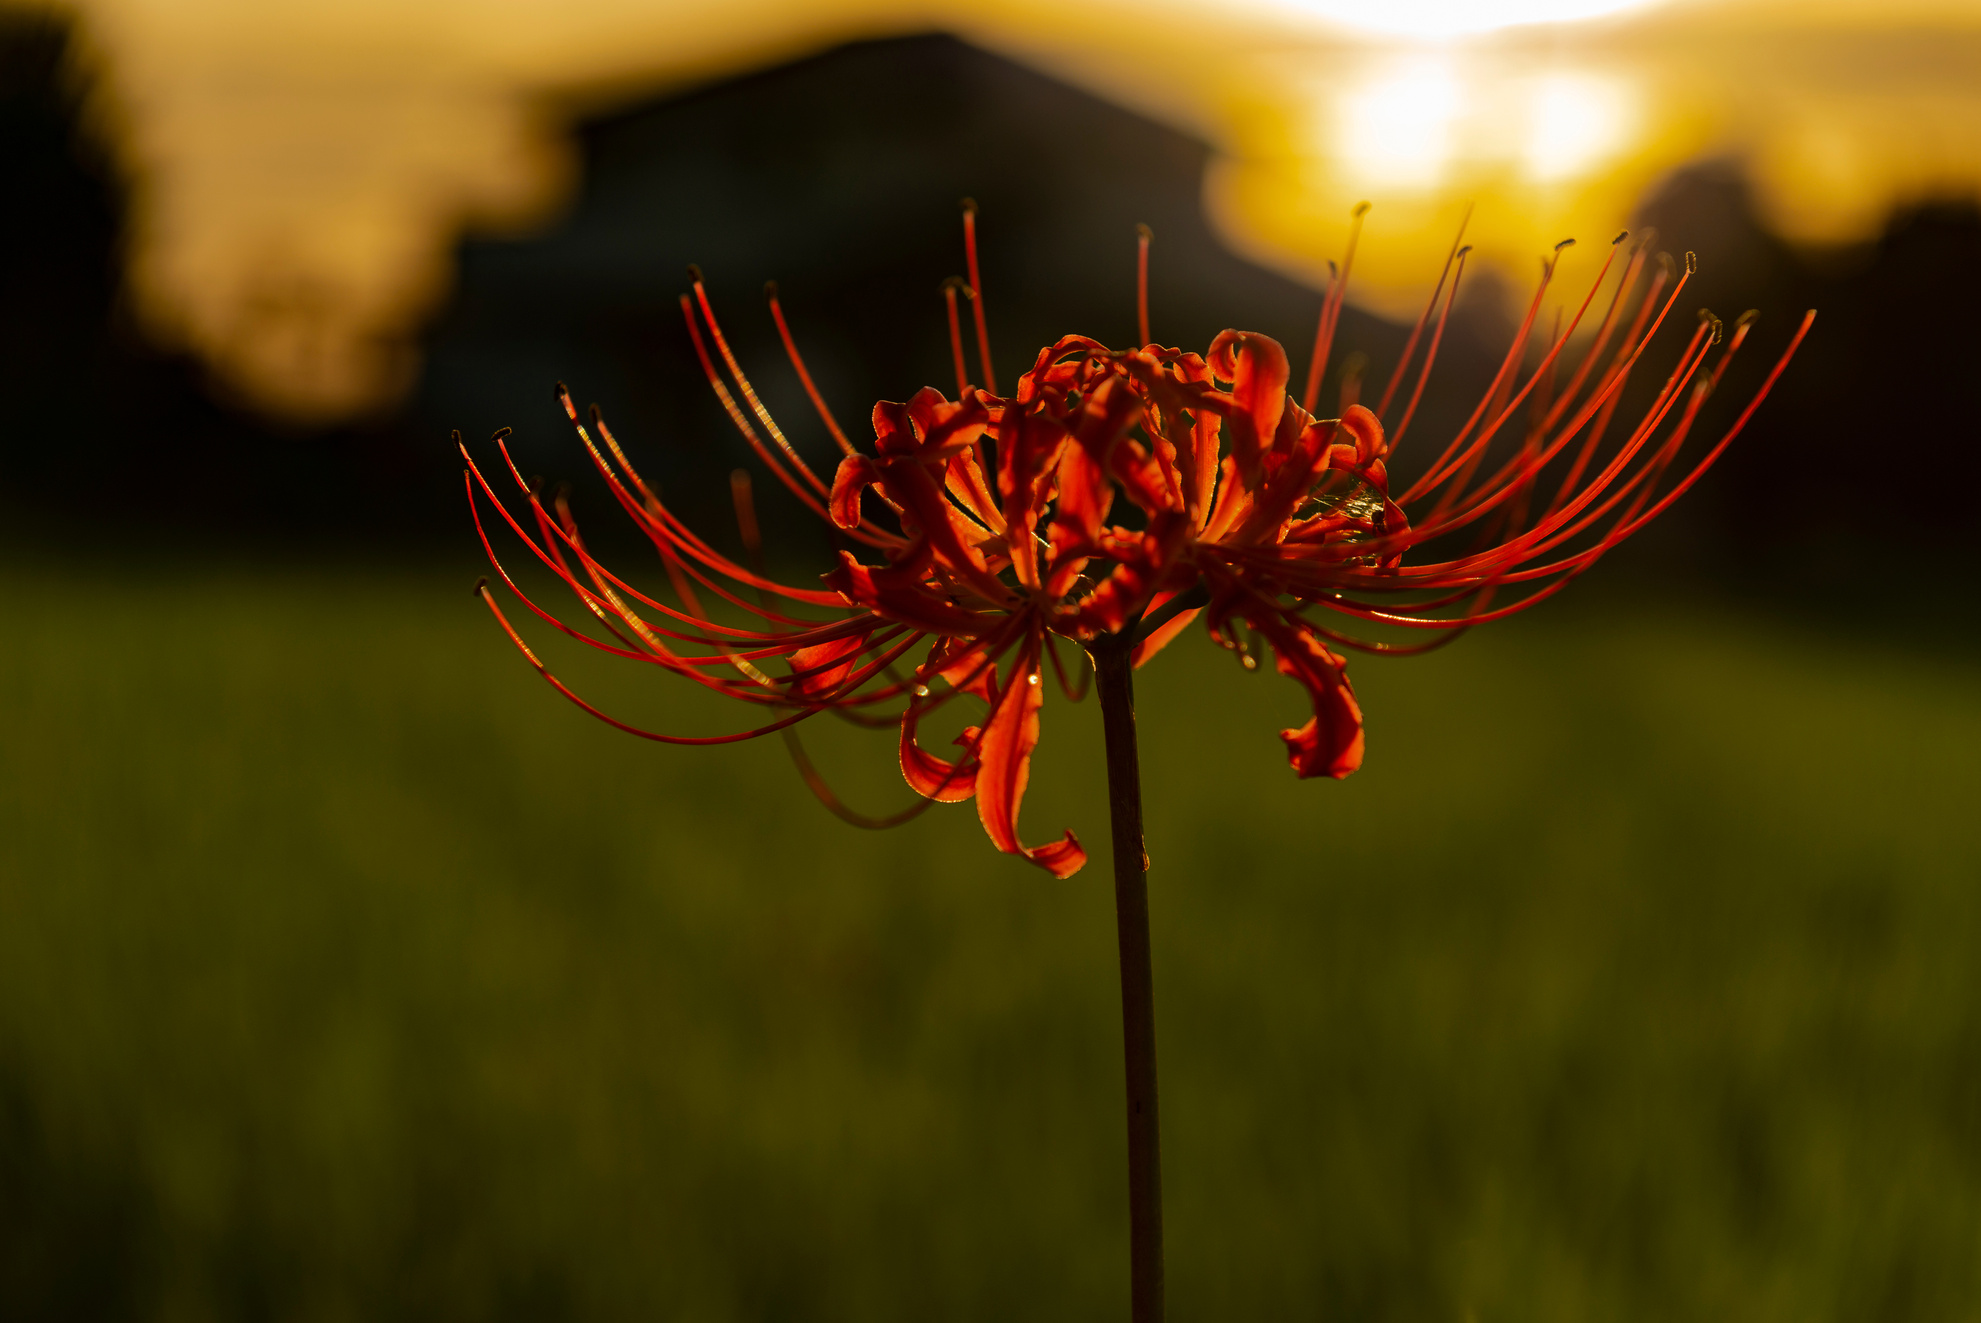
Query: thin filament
[(1143, 236), (1410, 345), (956, 336), (797, 362), (977, 294), (1317, 366)]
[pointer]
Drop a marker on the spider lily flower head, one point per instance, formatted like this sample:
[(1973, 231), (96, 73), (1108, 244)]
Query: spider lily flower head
[(1115, 495)]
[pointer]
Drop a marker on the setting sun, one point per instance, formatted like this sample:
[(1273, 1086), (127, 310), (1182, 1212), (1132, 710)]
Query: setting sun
[(1453, 18)]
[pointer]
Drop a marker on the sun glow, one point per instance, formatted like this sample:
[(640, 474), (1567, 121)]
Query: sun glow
[(305, 169), (1398, 128), (1574, 121), (1418, 121), (1455, 18)]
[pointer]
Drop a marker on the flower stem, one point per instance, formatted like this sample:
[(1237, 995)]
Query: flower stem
[(1114, 681)]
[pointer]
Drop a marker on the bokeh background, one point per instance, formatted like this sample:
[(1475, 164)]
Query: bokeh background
[(346, 973)]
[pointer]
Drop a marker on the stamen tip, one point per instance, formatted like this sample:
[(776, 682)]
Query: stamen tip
[(1747, 318), (770, 290), (694, 273), (1143, 232), (1565, 243), (1359, 210), (481, 586), (969, 206), (1691, 263), (501, 434), (1621, 235)]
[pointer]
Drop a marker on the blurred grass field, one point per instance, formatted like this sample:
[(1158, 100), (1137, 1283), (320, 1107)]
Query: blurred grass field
[(348, 973)]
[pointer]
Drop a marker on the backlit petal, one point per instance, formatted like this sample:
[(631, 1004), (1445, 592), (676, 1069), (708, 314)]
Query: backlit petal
[(1006, 766), (1330, 744), (1255, 365), (932, 777)]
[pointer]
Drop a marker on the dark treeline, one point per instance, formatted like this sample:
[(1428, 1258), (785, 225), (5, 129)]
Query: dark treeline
[(104, 438), (810, 173)]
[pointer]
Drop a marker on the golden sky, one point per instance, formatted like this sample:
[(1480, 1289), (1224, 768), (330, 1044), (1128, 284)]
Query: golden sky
[(304, 167)]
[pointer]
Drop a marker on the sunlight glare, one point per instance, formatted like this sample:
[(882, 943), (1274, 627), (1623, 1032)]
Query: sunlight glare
[(1396, 129), (1455, 18), (1575, 121)]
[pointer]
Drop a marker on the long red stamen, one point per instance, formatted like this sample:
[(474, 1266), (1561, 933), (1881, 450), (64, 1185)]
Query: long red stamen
[(1603, 329), (1410, 345), (1430, 354), (1317, 366), (805, 376), (736, 414), (476, 479), (474, 510), (1617, 376), (1688, 365), (1699, 471), (665, 529), (956, 335), (1495, 404), (635, 593), (1143, 235), (626, 614), (1435, 476), (561, 688), (977, 292), (756, 404), (679, 665)]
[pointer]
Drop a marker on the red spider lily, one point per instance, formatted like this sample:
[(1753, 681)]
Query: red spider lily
[(986, 526)]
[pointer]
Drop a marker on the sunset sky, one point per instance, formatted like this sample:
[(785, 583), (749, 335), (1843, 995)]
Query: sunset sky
[(303, 169)]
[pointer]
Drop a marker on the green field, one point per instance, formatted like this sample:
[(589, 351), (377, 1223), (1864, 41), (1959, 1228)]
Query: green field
[(346, 973)]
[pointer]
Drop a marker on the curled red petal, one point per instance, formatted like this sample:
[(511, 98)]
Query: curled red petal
[(932, 777), (1028, 448), (1330, 744), (1005, 758), (1085, 497), (946, 428), (820, 670), (1367, 429), (933, 519), (967, 664), (1159, 637), (1255, 365), (888, 593), (894, 429), (856, 474), (964, 478), (1293, 420)]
